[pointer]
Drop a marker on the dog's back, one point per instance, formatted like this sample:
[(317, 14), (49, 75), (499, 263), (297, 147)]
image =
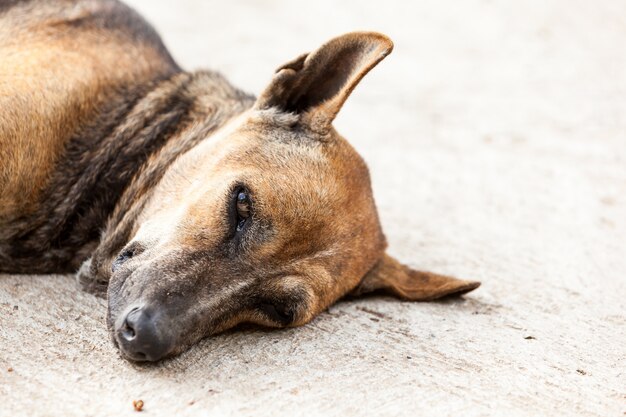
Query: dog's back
[(65, 64)]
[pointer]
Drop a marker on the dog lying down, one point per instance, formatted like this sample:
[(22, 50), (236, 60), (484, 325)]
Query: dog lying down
[(192, 205)]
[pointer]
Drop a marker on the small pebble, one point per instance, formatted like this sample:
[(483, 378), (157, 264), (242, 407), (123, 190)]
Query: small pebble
[(138, 405)]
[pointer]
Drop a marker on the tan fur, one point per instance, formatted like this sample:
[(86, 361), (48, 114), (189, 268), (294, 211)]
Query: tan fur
[(168, 246), (52, 78)]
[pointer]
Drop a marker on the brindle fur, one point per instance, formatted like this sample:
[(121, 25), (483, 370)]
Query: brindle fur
[(108, 146), (53, 210)]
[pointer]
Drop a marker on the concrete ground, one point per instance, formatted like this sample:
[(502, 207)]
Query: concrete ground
[(496, 138)]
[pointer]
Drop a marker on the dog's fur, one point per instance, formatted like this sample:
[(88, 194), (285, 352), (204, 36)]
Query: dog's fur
[(108, 147)]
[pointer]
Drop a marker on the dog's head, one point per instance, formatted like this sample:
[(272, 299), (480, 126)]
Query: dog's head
[(269, 221)]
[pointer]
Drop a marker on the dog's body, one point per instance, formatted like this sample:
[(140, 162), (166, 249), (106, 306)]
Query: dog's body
[(194, 205), (89, 95)]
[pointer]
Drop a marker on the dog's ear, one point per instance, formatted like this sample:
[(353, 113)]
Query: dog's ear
[(317, 84), (391, 276)]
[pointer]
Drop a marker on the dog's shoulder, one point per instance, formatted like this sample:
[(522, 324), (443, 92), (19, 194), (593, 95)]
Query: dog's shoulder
[(63, 62)]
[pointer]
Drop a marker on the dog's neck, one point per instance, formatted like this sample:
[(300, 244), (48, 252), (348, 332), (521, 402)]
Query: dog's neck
[(111, 165)]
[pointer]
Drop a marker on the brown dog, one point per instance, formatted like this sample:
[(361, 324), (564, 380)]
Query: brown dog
[(195, 206)]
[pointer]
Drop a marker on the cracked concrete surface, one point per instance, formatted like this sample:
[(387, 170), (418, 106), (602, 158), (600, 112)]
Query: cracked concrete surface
[(496, 138)]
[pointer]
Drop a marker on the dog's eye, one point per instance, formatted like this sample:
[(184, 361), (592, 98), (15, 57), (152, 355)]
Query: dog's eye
[(125, 255), (243, 209)]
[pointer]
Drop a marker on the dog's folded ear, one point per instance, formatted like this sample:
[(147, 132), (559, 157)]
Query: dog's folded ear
[(317, 84), (391, 276)]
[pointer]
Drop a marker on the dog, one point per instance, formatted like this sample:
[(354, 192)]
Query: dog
[(192, 205)]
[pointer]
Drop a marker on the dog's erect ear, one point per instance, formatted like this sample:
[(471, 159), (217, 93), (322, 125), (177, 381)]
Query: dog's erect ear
[(317, 84), (403, 282)]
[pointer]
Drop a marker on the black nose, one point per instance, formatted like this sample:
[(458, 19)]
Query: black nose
[(140, 339)]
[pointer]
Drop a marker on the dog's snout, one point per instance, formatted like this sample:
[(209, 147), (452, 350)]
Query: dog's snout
[(133, 320), (139, 336)]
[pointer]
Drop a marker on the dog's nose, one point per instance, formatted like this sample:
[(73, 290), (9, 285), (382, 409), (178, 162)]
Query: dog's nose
[(139, 338)]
